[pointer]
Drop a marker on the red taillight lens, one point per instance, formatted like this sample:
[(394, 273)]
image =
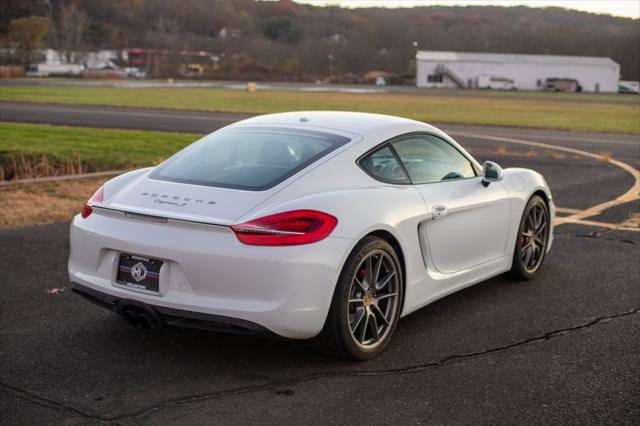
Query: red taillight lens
[(86, 211), (97, 197), (286, 229)]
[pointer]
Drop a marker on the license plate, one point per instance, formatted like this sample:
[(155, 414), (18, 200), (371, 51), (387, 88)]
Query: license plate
[(139, 272)]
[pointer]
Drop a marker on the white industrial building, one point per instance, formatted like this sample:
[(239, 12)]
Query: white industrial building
[(511, 71)]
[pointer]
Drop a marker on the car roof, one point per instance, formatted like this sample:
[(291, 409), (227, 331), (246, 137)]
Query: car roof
[(364, 124)]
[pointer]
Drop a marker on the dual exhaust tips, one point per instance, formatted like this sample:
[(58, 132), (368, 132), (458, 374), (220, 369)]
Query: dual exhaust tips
[(139, 315)]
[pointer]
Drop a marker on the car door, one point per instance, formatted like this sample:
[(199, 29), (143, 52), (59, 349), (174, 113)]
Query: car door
[(469, 222)]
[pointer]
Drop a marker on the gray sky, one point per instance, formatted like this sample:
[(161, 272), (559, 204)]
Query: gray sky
[(626, 8)]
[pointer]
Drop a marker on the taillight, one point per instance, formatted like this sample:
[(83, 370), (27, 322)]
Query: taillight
[(97, 197), (286, 229)]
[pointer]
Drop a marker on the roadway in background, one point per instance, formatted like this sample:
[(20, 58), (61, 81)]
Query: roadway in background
[(319, 88)]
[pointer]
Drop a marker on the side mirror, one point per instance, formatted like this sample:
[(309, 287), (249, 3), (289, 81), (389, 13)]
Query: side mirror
[(491, 172)]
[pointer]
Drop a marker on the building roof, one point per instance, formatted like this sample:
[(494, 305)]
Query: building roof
[(434, 55)]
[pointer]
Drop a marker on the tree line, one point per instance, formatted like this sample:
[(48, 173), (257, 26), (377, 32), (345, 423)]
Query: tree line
[(285, 40)]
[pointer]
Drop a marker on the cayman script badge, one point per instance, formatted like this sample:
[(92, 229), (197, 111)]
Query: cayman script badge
[(175, 200)]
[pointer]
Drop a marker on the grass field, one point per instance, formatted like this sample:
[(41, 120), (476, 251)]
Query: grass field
[(45, 202), (541, 111), (30, 150)]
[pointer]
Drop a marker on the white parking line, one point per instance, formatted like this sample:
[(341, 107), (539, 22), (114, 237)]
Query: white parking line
[(576, 139), (614, 226), (566, 210)]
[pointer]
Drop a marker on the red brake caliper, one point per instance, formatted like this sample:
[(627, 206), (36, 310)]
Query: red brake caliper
[(362, 272)]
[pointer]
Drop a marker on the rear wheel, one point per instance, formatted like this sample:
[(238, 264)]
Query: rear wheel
[(366, 303), (532, 239)]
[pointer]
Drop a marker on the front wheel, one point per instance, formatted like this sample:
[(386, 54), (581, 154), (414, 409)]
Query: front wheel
[(366, 303), (532, 239)]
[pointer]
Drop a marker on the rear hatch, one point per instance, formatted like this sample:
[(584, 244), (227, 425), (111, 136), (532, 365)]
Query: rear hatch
[(226, 174), (187, 202)]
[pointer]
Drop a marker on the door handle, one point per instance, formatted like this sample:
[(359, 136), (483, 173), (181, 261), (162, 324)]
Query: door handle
[(439, 212)]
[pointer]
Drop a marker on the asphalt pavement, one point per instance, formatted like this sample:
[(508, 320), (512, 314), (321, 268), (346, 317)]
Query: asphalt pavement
[(562, 349), (166, 120)]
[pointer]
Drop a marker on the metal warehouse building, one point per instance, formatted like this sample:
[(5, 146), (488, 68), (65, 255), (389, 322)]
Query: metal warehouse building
[(511, 71)]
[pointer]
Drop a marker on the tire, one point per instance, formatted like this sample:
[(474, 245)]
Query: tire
[(363, 317), (532, 240)]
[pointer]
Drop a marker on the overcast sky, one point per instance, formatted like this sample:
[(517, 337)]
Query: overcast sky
[(626, 8)]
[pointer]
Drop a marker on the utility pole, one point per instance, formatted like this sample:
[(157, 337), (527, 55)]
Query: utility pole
[(414, 61), (332, 59)]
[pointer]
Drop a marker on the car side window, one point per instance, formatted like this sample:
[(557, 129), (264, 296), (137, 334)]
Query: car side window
[(430, 159), (383, 165)]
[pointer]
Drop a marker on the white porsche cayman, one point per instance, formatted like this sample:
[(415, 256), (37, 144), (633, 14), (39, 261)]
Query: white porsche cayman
[(327, 226)]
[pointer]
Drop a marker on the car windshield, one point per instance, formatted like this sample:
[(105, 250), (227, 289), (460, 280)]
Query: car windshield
[(250, 158)]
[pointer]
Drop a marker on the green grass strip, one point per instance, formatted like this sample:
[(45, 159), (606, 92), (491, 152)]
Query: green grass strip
[(98, 149), (579, 112)]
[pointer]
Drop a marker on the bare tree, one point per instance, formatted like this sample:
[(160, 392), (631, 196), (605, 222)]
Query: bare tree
[(72, 25), (285, 39)]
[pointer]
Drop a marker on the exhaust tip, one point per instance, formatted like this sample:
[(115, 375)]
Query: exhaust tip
[(139, 315)]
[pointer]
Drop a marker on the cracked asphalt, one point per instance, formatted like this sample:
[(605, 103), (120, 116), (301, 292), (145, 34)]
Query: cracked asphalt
[(562, 349)]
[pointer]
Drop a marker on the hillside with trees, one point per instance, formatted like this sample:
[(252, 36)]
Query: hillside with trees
[(283, 40)]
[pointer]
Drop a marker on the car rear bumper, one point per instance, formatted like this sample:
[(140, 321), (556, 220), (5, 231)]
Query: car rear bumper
[(206, 270), (162, 316)]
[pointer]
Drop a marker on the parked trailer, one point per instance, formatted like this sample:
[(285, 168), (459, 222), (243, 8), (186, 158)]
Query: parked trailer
[(562, 85), (46, 70), (495, 83), (626, 86)]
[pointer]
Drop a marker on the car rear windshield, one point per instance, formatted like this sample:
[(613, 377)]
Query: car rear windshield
[(249, 158)]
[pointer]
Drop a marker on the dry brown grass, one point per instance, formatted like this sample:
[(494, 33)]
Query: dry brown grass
[(29, 167), (10, 71), (44, 203)]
